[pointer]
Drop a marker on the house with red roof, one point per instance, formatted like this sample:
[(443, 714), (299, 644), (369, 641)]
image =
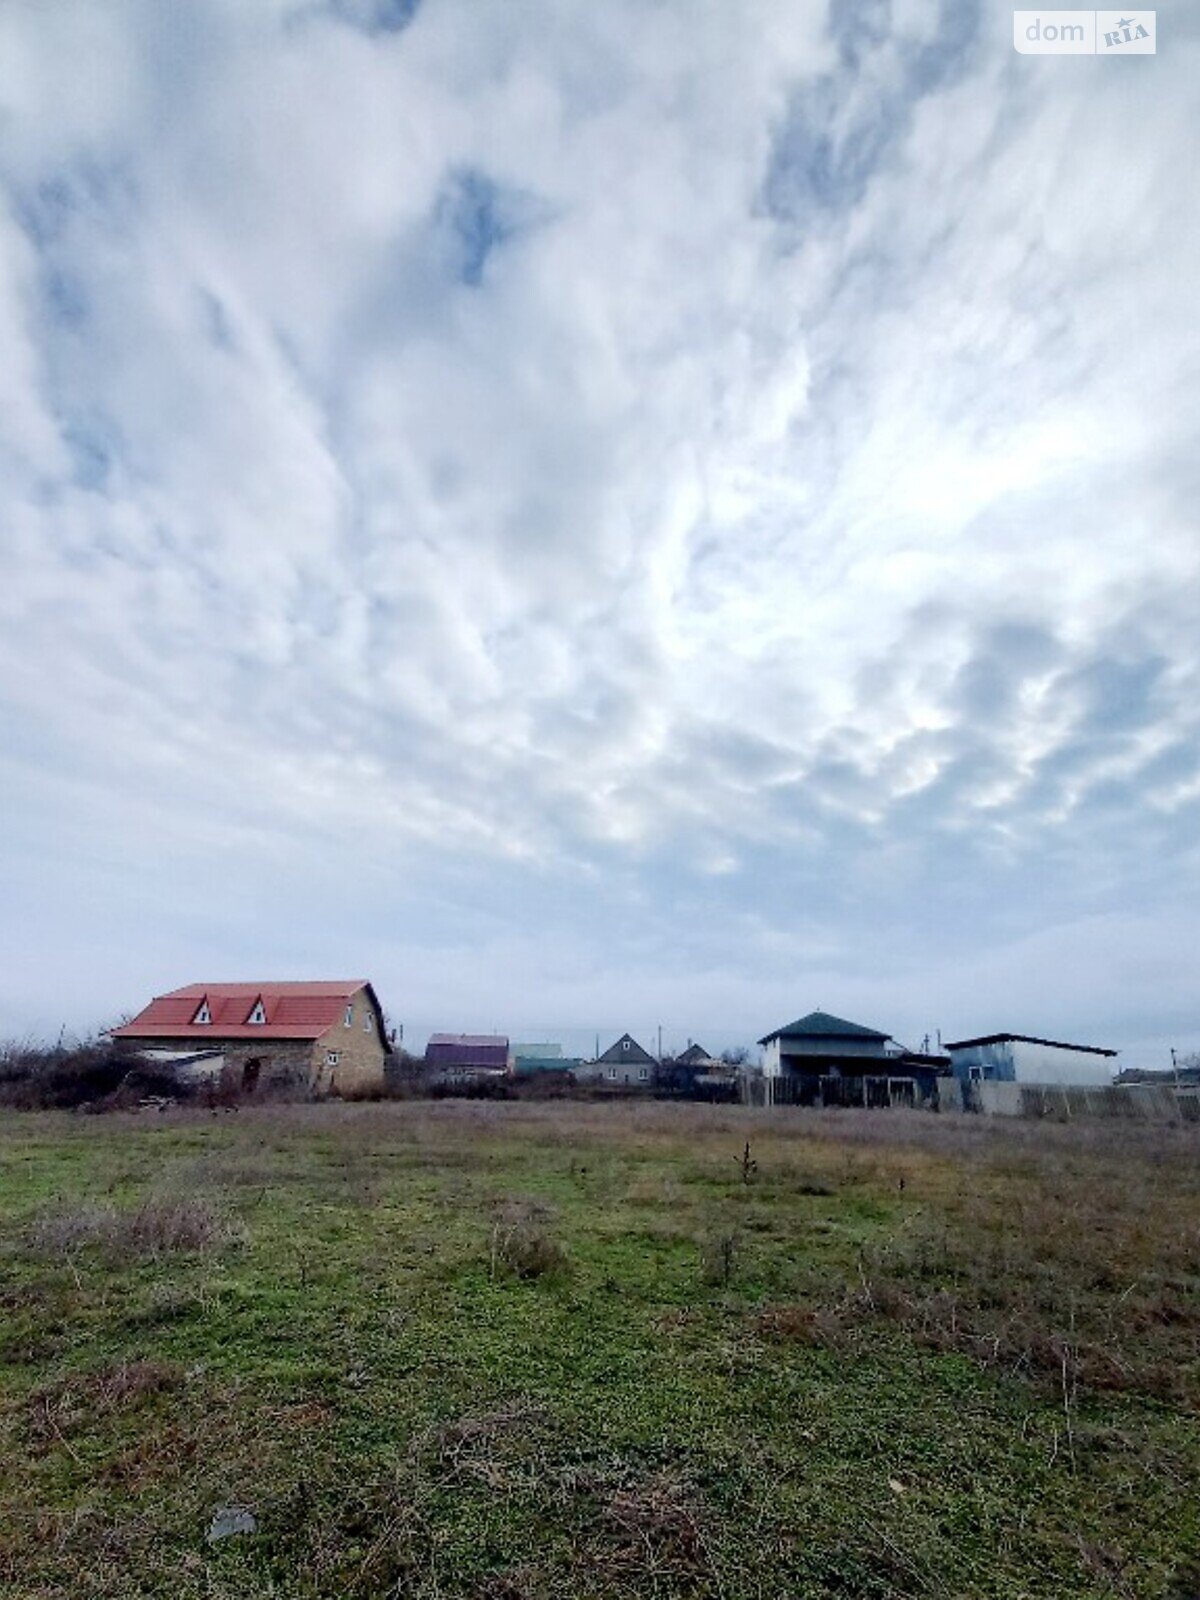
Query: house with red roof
[(310, 1038)]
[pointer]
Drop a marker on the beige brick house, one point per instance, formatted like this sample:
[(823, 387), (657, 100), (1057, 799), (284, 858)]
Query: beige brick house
[(311, 1038)]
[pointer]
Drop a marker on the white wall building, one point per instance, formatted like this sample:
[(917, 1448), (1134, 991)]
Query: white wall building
[(1021, 1058)]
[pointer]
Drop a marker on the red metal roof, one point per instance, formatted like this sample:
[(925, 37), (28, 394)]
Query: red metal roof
[(293, 1011)]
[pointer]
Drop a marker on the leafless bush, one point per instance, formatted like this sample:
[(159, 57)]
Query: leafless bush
[(92, 1073), (718, 1258), (522, 1242), (157, 1225), (63, 1231)]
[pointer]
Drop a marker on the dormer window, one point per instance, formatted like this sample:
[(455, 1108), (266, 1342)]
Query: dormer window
[(258, 1016), (350, 1015), (203, 1016)]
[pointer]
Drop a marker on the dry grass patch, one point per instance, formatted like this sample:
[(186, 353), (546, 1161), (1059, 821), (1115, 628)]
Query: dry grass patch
[(1038, 1287), (522, 1241), (158, 1225), (78, 1400), (718, 1258), (651, 1530), (502, 1448)]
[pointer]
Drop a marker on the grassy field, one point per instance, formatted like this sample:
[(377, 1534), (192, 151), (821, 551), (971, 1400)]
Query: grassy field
[(570, 1350)]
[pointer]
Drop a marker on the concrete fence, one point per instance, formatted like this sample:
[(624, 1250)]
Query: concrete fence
[(1139, 1102)]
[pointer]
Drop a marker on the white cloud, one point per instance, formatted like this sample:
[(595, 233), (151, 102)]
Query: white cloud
[(604, 445)]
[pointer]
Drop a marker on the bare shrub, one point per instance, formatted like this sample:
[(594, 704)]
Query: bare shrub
[(63, 1231), (173, 1222), (156, 1226), (718, 1258), (92, 1073), (368, 1093), (522, 1242)]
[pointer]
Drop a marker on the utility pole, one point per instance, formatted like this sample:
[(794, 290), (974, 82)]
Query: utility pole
[(660, 1043), (1175, 1067)]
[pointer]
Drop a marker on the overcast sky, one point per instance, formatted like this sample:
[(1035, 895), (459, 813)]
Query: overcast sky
[(601, 515)]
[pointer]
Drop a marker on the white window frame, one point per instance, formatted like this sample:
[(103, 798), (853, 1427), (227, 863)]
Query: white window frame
[(332, 1057), (612, 1072), (644, 1074), (258, 1015), (624, 1044), (349, 1018), (203, 1017)]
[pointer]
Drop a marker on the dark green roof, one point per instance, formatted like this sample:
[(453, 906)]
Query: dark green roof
[(820, 1025)]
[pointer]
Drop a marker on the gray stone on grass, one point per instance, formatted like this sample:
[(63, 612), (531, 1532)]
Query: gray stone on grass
[(230, 1520)]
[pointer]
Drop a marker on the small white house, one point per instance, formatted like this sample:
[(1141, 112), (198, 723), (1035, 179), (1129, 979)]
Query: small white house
[(1021, 1058)]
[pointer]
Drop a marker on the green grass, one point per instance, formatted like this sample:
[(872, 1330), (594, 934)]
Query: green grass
[(935, 1357)]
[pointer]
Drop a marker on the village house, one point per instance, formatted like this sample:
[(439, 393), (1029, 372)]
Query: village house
[(624, 1065), (466, 1058), (698, 1057), (694, 1074), (313, 1038), (824, 1060)]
